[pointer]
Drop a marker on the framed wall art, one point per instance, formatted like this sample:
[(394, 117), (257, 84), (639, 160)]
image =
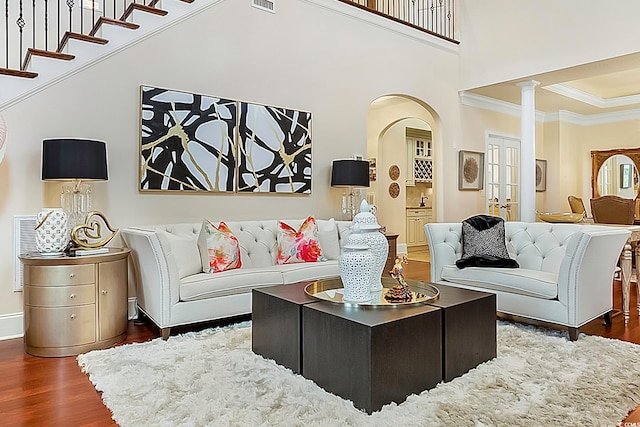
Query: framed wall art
[(274, 150), (187, 141), (470, 170), (541, 175), (626, 176)]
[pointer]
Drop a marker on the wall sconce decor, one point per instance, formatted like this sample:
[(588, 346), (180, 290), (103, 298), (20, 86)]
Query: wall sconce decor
[(352, 174)]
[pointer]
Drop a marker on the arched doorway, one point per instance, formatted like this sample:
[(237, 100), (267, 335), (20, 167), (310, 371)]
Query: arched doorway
[(402, 135)]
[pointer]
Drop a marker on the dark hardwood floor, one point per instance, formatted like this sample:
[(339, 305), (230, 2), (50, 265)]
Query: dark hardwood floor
[(36, 391)]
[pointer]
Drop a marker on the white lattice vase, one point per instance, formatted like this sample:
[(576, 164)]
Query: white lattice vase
[(52, 233), (356, 268), (366, 224)]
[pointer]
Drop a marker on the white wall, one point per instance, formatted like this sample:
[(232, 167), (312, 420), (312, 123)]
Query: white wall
[(306, 56), (505, 40)]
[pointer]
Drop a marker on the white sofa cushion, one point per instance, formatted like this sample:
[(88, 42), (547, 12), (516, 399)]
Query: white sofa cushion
[(241, 280), (185, 251), (292, 273), (535, 283)]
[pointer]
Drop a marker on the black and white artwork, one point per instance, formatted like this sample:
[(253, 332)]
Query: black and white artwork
[(274, 150), (187, 141)]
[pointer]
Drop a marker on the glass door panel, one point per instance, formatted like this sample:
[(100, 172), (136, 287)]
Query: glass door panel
[(503, 177)]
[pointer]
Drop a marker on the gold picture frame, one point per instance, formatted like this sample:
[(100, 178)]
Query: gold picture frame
[(541, 175)]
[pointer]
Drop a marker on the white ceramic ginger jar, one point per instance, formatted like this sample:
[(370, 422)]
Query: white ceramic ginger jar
[(366, 224), (356, 268), (52, 233)]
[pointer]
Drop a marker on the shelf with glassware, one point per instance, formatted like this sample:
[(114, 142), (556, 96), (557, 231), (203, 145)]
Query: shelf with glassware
[(419, 161)]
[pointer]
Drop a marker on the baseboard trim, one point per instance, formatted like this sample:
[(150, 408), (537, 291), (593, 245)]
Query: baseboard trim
[(133, 308), (11, 326)]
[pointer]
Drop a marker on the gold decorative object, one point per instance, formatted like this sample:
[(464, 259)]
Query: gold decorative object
[(89, 234), (394, 190), (394, 172), (560, 216), (401, 291)]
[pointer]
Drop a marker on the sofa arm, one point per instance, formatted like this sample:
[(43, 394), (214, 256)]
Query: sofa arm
[(444, 245), (586, 272), (157, 281)]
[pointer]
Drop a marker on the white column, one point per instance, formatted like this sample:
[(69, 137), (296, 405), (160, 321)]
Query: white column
[(528, 151)]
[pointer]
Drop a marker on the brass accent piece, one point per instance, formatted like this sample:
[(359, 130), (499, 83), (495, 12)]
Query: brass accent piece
[(394, 172), (46, 217), (394, 190), (89, 234), (598, 157), (331, 290)]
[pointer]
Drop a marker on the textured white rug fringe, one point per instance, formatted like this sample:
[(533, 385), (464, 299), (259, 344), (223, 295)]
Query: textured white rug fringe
[(211, 378)]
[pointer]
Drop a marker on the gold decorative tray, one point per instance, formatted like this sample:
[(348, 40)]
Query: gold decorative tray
[(331, 290), (560, 217)]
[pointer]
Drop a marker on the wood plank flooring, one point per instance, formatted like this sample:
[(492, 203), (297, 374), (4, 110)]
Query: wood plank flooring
[(36, 391)]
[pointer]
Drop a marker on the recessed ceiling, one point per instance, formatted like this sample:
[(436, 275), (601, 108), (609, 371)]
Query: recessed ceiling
[(594, 88)]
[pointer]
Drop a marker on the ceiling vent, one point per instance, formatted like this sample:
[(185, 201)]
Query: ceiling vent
[(268, 5)]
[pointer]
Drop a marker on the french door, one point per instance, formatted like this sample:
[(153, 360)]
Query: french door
[(503, 177)]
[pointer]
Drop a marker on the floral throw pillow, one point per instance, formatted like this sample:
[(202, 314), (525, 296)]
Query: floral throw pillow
[(300, 245), (219, 248)]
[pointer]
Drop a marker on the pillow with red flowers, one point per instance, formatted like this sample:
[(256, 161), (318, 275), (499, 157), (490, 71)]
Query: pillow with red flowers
[(300, 245), (219, 248)]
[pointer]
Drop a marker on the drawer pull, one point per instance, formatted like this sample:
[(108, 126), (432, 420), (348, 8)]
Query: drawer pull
[(72, 275), (73, 316), (104, 292), (72, 296)]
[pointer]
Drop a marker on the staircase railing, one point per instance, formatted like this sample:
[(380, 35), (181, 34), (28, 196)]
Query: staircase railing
[(43, 27), (436, 17)]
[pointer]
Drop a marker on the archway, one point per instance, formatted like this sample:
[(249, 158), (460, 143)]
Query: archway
[(391, 119)]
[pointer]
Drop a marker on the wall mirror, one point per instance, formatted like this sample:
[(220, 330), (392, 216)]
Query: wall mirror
[(615, 172)]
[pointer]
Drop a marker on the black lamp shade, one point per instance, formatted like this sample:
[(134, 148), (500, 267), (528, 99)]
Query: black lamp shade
[(350, 173), (67, 159)]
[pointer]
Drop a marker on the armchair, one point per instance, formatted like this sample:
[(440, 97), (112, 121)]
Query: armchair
[(613, 210), (576, 205)]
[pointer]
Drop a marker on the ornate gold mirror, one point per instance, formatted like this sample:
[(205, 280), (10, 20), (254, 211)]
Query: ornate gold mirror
[(615, 172)]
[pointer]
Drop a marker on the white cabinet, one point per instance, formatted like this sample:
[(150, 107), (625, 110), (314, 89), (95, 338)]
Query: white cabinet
[(416, 219)]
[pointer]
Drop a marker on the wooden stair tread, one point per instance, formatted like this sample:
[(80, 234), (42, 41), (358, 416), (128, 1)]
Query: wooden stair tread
[(81, 37), (18, 73), (110, 21), (31, 52), (142, 8)]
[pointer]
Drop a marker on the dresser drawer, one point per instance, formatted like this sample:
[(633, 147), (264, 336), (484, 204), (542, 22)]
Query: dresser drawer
[(59, 275), (60, 327), (59, 296)]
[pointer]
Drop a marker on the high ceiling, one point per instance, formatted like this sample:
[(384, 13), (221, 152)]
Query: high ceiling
[(596, 88)]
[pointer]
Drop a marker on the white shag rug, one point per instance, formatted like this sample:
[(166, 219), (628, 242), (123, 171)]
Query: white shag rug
[(212, 378)]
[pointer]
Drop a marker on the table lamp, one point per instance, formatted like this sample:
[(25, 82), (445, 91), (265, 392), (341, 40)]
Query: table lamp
[(350, 173), (77, 162)]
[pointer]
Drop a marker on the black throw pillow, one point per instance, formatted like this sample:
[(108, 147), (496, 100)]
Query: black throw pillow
[(483, 243)]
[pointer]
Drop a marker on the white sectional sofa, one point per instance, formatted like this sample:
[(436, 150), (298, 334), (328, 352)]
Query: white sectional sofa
[(172, 290), (565, 274)]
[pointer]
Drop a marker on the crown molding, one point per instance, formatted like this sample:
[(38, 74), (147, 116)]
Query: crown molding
[(491, 104), (591, 99)]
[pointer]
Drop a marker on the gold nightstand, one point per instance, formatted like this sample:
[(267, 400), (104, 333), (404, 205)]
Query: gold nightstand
[(74, 304)]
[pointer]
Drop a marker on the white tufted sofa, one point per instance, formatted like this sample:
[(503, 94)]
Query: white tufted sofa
[(565, 275), (172, 290)]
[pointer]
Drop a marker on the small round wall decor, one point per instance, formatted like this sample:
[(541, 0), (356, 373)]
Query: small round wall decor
[(394, 190), (394, 172)]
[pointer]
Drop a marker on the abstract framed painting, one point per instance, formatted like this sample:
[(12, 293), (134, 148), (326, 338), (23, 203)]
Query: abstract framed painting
[(470, 170), (274, 150), (187, 142)]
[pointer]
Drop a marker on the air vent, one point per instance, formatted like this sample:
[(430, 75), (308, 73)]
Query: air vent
[(268, 5), (24, 240)]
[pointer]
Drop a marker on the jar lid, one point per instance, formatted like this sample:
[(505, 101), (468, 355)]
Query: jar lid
[(365, 220)]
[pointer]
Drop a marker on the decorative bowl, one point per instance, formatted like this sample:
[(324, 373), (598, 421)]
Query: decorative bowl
[(560, 216)]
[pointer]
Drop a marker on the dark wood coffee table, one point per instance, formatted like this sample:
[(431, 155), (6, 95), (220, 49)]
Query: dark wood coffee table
[(374, 356)]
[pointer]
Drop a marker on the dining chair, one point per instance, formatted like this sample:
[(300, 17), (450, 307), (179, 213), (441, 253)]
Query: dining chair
[(612, 210), (576, 205)]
